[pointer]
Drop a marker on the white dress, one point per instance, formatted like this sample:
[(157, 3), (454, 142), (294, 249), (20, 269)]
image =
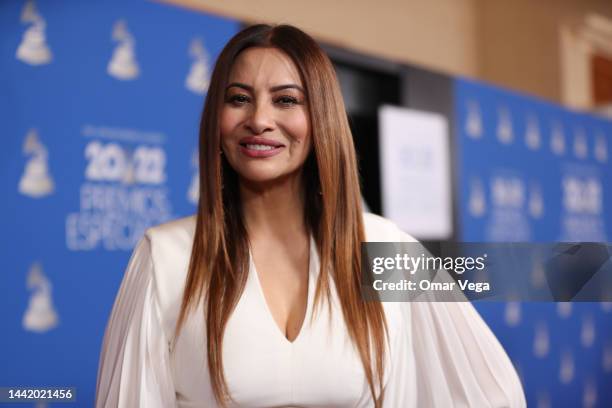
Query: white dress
[(441, 354)]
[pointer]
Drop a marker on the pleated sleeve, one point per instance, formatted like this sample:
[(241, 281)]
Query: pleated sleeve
[(459, 361), (455, 358), (400, 387), (134, 368)]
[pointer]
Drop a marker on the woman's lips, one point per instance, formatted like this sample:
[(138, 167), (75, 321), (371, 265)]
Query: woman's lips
[(259, 140), (260, 150), (257, 146)]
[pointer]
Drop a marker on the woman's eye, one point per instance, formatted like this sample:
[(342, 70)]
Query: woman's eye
[(287, 100), (238, 99)]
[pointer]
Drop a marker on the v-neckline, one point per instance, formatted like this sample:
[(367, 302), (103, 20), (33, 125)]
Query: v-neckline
[(312, 265)]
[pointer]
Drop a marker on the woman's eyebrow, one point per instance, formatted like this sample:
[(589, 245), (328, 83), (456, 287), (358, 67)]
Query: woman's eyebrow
[(272, 89), (240, 85), (286, 86)]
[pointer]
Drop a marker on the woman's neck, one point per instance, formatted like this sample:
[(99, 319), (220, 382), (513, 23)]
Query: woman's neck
[(274, 210)]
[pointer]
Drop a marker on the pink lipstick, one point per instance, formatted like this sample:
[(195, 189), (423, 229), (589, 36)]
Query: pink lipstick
[(258, 147)]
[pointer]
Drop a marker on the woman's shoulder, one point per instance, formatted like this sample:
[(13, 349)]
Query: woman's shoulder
[(170, 250), (179, 231), (380, 229), (170, 245)]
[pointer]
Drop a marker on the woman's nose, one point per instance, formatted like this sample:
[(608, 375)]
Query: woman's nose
[(260, 119)]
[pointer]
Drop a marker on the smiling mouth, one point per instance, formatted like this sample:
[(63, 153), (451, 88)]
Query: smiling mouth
[(260, 147), (260, 150)]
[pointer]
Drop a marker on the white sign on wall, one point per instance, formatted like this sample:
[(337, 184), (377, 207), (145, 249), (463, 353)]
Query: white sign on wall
[(415, 171)]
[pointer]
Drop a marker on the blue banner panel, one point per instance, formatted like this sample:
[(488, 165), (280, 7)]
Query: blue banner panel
[(532, 171), (100, 105)]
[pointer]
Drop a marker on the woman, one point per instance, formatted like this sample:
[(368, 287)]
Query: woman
[(256, 302)]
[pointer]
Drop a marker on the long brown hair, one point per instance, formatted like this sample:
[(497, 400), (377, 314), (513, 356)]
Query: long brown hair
[(218, 267)]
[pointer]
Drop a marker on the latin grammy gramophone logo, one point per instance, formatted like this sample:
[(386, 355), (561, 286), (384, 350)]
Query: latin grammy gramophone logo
[(532, 133), (580, 144), (512, 314), (564, 309), (601, 149), (33, 48), (197, 80), (543, 400), (587, 332), (123, 64), (589, 395), (35, 182), (505, 133), (566, 367), (476, 202), (473, 122), (40, 315), (541, 341), (606, 358), (536, 201), (538, 274), (557, 139), (193, 194)]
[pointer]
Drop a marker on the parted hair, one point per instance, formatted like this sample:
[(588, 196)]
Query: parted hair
[(218, 267)]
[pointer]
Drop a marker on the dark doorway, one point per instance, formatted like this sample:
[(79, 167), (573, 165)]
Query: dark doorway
[(364, 91)]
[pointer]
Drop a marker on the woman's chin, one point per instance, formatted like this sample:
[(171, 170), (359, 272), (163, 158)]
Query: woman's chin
[(266, 177)]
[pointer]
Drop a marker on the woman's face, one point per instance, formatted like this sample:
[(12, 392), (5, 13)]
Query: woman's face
[(265, 126)]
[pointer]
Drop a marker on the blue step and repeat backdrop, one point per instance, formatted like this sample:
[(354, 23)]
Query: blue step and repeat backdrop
[(100, 104), (531, 171)]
